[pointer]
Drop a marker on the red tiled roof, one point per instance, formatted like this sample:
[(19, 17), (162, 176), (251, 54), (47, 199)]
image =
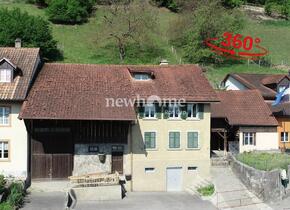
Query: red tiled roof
[(25, 59), (259, 82), (243, 108), (79, 91)]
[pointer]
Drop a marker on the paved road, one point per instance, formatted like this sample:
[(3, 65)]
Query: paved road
[(134, 201)]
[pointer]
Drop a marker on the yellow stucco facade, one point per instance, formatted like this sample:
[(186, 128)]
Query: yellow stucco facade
[(283, 126), (162, 157)]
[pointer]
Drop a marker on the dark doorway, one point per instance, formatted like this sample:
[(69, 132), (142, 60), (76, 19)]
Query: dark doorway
[(117, 162)]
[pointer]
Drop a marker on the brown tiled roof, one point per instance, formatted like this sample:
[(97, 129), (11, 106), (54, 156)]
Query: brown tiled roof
[(25, 59), (243, 108), (259, 82), (281, 110), (79, 91), (174, 81)]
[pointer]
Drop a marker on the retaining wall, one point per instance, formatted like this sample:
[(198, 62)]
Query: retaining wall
[(265, 184)]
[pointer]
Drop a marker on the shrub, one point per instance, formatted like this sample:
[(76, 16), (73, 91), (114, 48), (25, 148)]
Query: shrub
[(33, 31), (6, 206), (16, 195), (173, 5), (206, 190), (232, 3), (69, 11), (2, 183)]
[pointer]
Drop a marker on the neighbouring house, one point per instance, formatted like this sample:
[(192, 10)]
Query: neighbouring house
[(242, 121), (268, 85), (17, 69), (149, 123)]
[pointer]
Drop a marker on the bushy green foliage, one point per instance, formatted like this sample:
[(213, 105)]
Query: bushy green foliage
[(281, 7), (206, 190), (173, 5), (209, 20), (16, 195), (69, 11), (2, 183), (6, 206), (33, 31), (232, 3)]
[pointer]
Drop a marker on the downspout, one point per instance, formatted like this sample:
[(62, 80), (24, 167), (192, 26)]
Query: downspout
[(131, 154), (29, 127)]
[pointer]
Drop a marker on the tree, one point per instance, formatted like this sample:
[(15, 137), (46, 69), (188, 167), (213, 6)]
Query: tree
[(128, 22), (210, 19), (66, 11), (33, 31)]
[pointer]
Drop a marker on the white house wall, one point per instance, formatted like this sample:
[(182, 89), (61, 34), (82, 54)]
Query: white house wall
[(17, 136), (264, 141), (233, 84)]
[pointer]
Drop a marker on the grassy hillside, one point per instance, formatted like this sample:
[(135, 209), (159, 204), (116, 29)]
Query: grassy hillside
[(86, 44)]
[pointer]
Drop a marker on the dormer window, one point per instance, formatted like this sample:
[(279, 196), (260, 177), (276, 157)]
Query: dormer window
[(142, 76), (6, 75)]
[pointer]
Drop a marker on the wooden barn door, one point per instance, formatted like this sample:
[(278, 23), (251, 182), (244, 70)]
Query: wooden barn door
[(52, 157), (117, 162)]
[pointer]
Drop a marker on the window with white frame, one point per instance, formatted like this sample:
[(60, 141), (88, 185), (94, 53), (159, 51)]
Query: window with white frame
[(249, 138), (174, 111), (150, 111), (150, 140), (4, 115), (4, 150), (174, 140), (192, 140), (5, 75), (192, 111), (284, 136)]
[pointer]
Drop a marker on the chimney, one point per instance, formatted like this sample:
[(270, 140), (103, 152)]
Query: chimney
[(164, 62), (18, 43)]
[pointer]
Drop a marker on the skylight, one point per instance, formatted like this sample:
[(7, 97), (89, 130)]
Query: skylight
[(141, 76)]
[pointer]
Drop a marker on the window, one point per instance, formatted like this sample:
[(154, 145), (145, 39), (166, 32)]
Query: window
[(174, 140), (149, 170), (284, 136), (150, 111), (192, 140), (4, 150), (249, 139), (192, 110), (150, 140), (174, 111), (141, 76), (191, 168), (5, 75), (4, 115)]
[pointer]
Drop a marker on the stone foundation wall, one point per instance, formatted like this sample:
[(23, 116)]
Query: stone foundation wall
[(86, 162), (265, 184)]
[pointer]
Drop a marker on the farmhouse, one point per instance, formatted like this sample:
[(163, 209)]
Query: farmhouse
[(159, 143), (242, 121), (17, 69), (268, 85)]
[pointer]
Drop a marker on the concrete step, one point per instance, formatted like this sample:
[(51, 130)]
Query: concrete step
[(220, 161)]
